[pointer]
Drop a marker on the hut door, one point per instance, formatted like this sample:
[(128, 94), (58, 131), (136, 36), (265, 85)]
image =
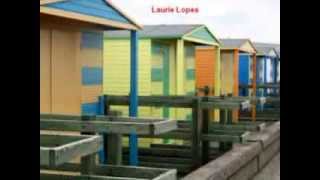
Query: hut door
[(160, 76), (59, 72), (45, 71), (244, 68), (205, 59), (260, 75), (65, 73)]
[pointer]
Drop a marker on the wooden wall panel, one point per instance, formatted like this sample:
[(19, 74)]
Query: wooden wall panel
[(205, 70), (45, 70), (66, 81), (227, 81)]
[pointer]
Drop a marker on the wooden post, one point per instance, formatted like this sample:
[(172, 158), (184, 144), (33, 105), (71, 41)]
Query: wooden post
[(205, 128), (254, 86), (112, 142), (87, 162), (106, 112), (196, 133), (223, 120), (114, 149), (102, 111)]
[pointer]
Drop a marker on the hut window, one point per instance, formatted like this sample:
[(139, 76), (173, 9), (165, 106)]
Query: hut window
[(92, 40), (156, 74), (190, 73)]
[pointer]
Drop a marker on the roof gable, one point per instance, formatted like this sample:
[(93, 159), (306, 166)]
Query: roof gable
[(100, 9), (194, 33), (265, 49), (248, 47), (244, 45), (202, 34)]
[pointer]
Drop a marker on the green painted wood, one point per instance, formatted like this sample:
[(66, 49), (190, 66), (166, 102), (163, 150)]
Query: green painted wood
[(162, 50), (60, 151), (260, 119), (240, 126), (180, 101), (190, 74), (163, 152), (114, 149), (119, 127), (161, 159), (157, 74), (50, 176), (196, 133), (117, 171), (52, 141), (205, 130), (203, 34), (181, 168), (88, 160)]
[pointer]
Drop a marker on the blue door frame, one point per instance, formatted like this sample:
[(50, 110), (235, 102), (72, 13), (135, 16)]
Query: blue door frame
[(244, 69)]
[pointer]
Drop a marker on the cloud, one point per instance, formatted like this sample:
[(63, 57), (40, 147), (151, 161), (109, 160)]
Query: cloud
[(255, 19)]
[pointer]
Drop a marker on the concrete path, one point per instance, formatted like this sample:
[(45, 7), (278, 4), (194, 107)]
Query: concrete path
[(271, 171)]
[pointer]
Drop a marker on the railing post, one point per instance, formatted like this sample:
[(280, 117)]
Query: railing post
[(196, 133), (101, 111), (205, 127), (87, 162)]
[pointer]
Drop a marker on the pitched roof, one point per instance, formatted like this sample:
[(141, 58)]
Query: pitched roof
[(232, 43), (100, 12), (241, 44), (156, 31), (265, 48)]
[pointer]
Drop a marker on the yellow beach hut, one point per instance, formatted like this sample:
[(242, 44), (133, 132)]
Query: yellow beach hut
[(167, 65)]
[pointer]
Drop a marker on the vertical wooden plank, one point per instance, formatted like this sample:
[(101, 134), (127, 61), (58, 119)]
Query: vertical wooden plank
[(87, 162), (229, 121), (102, 111), (225, 118), (112, 143), (114, 149), (105, 135), (217, 85), (205, 68), (205, 129), (66, 97), (235, 114), (254, 85), (180, 73), (45, 70), (196, 133), (217, 81), (222, 120), (180, 67)]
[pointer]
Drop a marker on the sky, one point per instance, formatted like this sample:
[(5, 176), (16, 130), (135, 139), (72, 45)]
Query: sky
[(258, 20)]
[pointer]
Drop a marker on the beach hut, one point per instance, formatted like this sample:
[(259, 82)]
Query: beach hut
[(71, 44), (168, 63), (237, 57), (71, 56), (268, 65)]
